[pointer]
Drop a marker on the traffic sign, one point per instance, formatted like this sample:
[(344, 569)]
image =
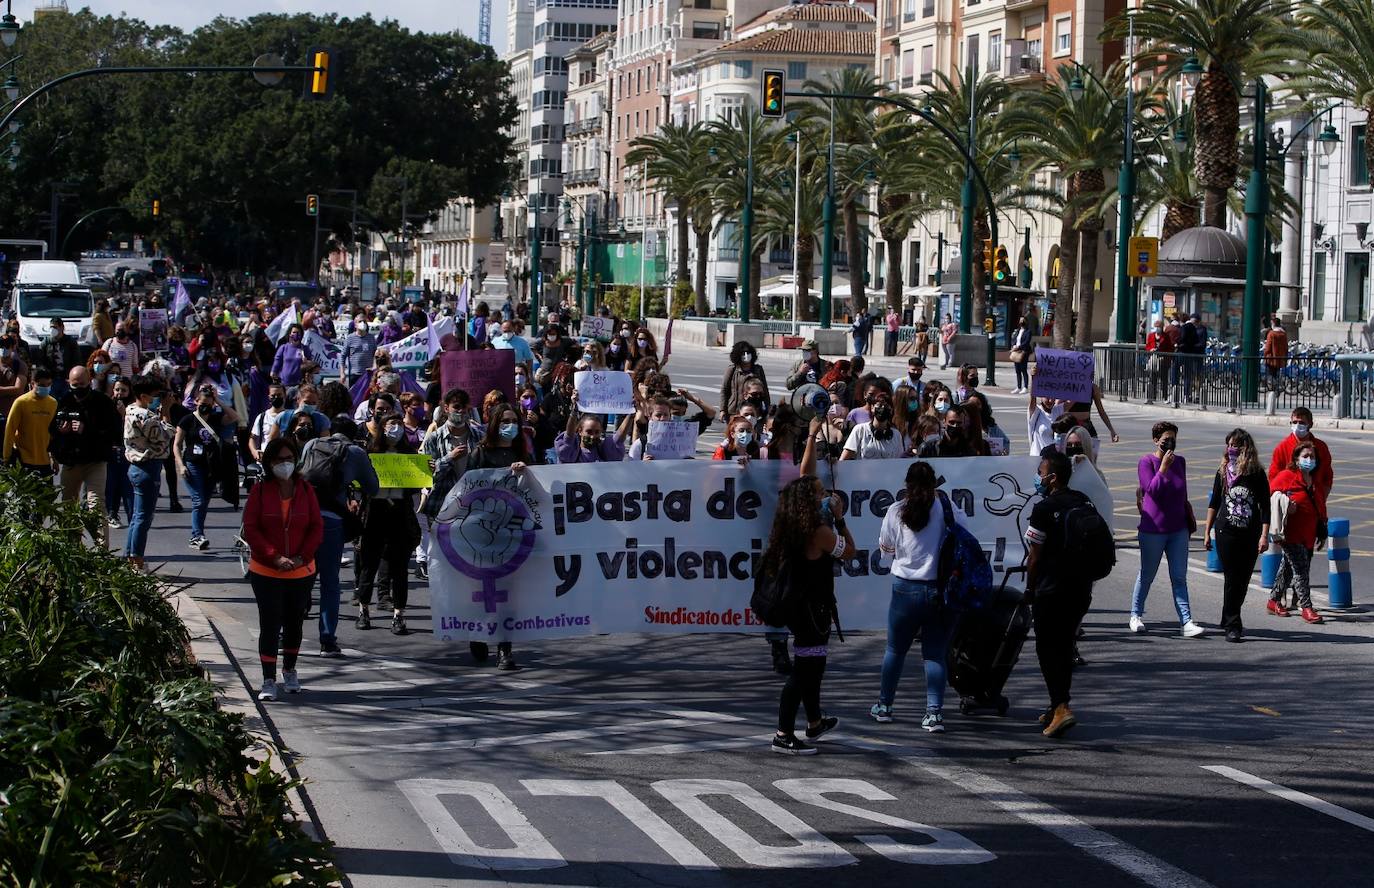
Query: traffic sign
[(1144, 254)]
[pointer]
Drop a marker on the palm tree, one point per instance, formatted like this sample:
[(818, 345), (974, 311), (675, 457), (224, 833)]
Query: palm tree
[(1233, 40), (1166, 178), (775, 205), (1079, 133), (730, 143), (904, 169), (1338, 36), (676, 161)]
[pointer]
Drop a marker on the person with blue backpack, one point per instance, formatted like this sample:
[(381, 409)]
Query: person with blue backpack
[(1060, 576), (913, 536)]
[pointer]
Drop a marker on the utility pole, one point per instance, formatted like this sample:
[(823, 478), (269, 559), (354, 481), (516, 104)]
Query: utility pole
[(1256, 208), (966, 232), (1126, 305), (828, 217), (746, 253)]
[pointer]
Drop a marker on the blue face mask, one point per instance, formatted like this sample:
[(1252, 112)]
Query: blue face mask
[(1307, 464), (42, 390), (509, 430), (155, 404), (1041, 487), (913, 404), (307, 409)]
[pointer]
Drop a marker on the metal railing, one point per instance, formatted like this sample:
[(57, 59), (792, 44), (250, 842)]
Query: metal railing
[(1336, 385)]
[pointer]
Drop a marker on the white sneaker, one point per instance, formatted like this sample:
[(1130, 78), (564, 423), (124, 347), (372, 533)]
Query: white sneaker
[(269, 690), (1137, 625), (291, 682), (1193, 630)]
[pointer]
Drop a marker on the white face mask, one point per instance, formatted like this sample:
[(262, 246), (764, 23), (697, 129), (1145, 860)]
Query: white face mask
[(393, 433), (283, 470)]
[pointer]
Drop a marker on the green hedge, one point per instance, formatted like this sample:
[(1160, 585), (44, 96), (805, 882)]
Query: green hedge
[(116, 766)]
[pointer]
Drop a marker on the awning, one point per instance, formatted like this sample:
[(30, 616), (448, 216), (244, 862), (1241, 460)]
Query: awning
[(1198, 280)]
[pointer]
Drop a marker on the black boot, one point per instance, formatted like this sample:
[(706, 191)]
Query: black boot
[(782, 663)]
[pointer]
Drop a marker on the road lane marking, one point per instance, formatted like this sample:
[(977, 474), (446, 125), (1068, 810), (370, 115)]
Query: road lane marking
[(672, 842), (549, 736), (1321, 806), (691, 746), (1105, 847), (530, 849)]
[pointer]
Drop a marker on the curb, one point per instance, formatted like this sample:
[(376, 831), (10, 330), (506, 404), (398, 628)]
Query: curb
[(234, 694)]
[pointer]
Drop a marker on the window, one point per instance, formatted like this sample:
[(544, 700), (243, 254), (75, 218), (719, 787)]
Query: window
[(908, 66), (1356, 301), (928, 9), (705, 30), (880, 264), (744, 70), (1033, 51), (1318, 301), (913, 264), (1359, 163), (1063, 36), (887, 70), (973, 53), (995, 51), (909, 10), (796, 71), (927, 64)]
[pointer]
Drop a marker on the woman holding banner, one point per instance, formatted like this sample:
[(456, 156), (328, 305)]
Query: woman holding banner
[(808, 534), (390, 530), (502, 447)]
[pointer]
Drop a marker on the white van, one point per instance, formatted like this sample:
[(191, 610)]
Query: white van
[(44, 290)]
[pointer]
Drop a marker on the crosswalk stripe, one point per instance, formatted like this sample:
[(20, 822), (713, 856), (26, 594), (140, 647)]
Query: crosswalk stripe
[(1321, 806)]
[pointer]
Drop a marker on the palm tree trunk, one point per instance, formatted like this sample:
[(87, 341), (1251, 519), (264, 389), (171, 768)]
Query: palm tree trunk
[(1216, 112), (894, 272), (981, 232), (755, 272), (1178, 217), (682, 241), (806, 256), (1087, 285), (854, 244), (703, 245), (1068, 273)]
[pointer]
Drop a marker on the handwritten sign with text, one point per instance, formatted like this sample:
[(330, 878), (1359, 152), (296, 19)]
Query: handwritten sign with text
[(479, 371), (604, 391), (598, 328), (672, 440), (1066, 375), (401, 470)]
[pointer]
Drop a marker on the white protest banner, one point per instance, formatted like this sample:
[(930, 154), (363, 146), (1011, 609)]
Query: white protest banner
[(598, 328), (670, 547), (604, 391), (1066, 375), (672, 440), (281, 324), (152, 329), (325, 353), (415, 350)]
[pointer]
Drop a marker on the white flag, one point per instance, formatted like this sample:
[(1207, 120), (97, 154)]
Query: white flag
[(281, 324)]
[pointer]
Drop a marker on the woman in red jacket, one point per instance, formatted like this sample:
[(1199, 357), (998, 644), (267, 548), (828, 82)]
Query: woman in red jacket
[(1304, 528), (283, 528)]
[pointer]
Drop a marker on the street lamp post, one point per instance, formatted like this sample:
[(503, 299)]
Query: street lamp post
[(828, 220), (966, 223), (1256, 206), (1126, 305), (746, 252)]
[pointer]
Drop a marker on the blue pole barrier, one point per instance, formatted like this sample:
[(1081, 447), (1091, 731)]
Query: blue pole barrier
[(1269, 567), (1338, 563), (1213, 559)]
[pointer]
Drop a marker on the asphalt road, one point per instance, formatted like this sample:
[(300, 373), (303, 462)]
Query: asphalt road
[(636, 760)]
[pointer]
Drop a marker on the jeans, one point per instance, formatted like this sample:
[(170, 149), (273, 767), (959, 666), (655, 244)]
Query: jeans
[(201, 485), (146, 479), (947, 354), (1022, 369), (327, 558), (890, 343), (1056, 617), (118, 490), (92, 477), (858, 345), (917, 608), (282, 606), (1153, 546), (803, 688), (1238, 553)]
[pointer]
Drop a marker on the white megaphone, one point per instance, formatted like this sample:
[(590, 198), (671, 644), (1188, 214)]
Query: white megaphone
[(809, 401)]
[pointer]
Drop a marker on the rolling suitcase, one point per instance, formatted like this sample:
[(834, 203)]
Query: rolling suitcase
[(985, 647)]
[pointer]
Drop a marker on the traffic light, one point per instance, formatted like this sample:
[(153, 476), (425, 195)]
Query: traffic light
[(157, 207), (312, 204), (320, 82), (987, 256), (1001, 269), (774, 91)]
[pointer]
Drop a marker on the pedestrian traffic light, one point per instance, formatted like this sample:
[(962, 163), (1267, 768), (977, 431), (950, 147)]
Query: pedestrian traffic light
[(320, 82), (157, 207), (987, 256), (312, 204), (774, 91), (1001, 269)]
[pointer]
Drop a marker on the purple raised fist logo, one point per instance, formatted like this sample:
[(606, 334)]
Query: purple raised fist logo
[(490, 537)]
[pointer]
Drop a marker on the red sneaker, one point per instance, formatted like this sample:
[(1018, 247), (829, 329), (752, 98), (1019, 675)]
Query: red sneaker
[(1276, 609), (1311, 616)]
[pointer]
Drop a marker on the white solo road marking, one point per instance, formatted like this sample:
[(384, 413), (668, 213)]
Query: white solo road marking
[(946, 848), (673, 843), (690, 746), (812, 848), (1105, 847), (482, 716), (1300, 798), (531, 850), (549, 736)]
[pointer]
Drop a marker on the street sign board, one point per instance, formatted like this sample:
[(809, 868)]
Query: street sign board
[(1144, 256)]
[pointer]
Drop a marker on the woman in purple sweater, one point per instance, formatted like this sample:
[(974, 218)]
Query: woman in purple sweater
[(290, 355), (1166, 524)]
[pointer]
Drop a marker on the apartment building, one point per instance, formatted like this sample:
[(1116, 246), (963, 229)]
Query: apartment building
[(455, 246), (586, 154)]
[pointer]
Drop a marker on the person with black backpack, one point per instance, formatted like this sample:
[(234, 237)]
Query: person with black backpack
[(334, 466), (1059, 582), (797, 576)]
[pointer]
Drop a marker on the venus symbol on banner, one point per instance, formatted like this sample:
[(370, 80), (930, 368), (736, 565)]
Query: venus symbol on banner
[(491, 538)]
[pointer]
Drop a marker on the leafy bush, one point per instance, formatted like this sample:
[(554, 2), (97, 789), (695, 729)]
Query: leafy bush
[(116, 766), (623, 301)]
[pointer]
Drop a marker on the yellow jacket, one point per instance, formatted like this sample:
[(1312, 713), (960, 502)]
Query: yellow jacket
[(27, 428)]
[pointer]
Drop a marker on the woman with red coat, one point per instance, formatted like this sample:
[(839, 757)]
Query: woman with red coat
[(1304, 528), (283, 528)]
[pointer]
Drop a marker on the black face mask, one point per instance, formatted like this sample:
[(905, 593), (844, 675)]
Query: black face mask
[(204, 409), (882, 412), (1073, 449), (277, 402), (1167, 445)]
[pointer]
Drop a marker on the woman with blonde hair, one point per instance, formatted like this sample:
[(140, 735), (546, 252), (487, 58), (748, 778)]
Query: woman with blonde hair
[(593, 357)]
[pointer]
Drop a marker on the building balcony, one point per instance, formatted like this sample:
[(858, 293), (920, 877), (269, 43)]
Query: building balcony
[(1023, 69), (591, 124), (1018, 5), (582, 177)]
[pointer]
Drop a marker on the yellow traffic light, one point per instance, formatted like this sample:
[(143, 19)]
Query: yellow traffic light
[(321, 80), (157, 208), (774, 94), (987, 256), (312, 204), (1001, 269)]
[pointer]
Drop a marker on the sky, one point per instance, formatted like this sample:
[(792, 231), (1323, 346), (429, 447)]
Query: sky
[(418, 15)]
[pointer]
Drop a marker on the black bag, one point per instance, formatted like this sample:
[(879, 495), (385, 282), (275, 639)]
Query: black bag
[(985, 647), (771, 601), (1093, 548), (322, 468)]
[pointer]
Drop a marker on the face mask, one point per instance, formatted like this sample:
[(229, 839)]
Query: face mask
[(155, 404), (101, 368), (587, 356), (746, 359), (765, 438), (1074, 449), (81, 391), (1300, 429), (394, 432), (1167, 445), (1059, 440), (204, 409), (591, 441), (836, 411), (642, 343), (521, 379), (808, 355), (942, 406), (913, 404), (307, 409), (882, 412), (277, 402), (743, 438), (973, 382), (360, 327), (625, 333), (679, 417), (213, 367), (506, 336), (283, 470), (1041, 487), (954, 431), (121, 335), (1307, 464), (509, 430), (1232, 453), (915, 375), (4, 353), (42, 390), (931, 439), (527, 403)]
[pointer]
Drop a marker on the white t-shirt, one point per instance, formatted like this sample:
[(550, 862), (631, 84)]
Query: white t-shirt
[(1038, 429), (915, 556), (1088, 482), (866, 446), (125, 355)]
